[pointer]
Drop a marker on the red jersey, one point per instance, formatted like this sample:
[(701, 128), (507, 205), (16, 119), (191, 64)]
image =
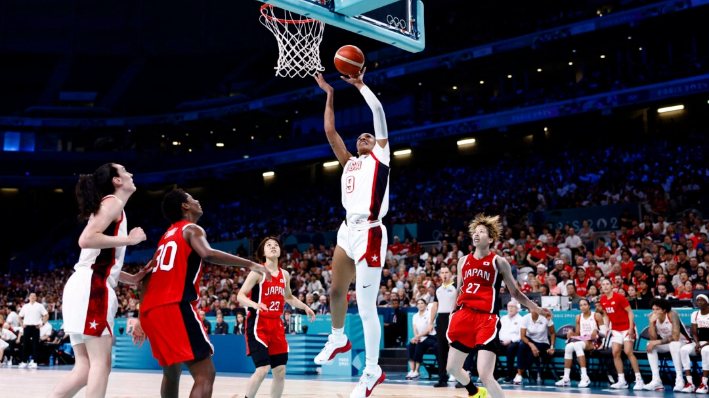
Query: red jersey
[(272, 294), (615, 308), (582, 287), (481, 284), (175, 277), (627, 267)]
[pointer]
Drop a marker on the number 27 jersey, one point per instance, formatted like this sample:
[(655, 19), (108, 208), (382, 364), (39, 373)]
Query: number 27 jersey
[(481, 284), (272, 294)]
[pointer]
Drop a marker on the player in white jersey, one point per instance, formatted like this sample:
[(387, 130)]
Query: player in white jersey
[(89, 300), (362, 238), (700, 346), (586, 337), (667, 334)]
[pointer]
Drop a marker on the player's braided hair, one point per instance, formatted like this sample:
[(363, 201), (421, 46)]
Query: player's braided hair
[(491, 223)]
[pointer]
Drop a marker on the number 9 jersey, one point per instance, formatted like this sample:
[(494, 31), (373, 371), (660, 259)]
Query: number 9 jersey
[(175, 277)]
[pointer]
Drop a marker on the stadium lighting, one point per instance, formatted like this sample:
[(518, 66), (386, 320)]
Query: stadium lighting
[(482, 81), (466, 141), (402, 152), (670, 108), (539, 70), (190, 149), (455, 87), (175, 143), (220, 144), (246, 156), (603, 56), (571, 63), (509, 76), (546, 129), (330, 164), (640, 48), (269, 174)]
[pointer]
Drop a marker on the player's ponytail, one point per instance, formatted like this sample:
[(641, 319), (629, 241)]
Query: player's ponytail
[(92, 188)]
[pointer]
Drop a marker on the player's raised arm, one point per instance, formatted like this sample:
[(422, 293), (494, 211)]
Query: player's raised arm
[(93, 237), (504, 268), (196, 237), (338, 146), (381, 132)]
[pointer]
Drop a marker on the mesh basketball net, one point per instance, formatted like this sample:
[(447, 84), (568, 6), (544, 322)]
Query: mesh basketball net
[(298, 39)]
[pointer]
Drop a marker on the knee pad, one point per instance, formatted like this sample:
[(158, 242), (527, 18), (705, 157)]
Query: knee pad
[(569, 351)]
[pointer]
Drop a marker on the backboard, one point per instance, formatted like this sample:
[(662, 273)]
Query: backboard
[(395, 22)]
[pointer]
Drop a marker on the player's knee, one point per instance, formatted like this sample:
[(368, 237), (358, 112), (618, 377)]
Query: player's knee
[(262, 371), (337, 293), (279, 372)]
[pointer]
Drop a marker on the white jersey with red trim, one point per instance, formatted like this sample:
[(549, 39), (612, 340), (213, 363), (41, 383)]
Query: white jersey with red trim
[(109, 259), (365, 186), (664, 329), (588, 325)]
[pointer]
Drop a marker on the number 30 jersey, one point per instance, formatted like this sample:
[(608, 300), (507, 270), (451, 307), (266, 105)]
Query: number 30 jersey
[(272, 294), (365, 186), (481, 284), (176, 271)]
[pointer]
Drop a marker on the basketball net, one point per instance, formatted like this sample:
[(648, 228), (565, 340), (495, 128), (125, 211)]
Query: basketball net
[(298, 39)]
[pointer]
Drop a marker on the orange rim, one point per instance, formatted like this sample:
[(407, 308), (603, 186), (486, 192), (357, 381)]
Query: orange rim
[(284, 21)]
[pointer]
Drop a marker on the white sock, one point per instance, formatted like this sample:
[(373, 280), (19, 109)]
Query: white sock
[(373, 368), (583, 372), (639, 378), (339, 334), (689, 380), (704, 381), (621, 377), (655, 375), (567, 373)]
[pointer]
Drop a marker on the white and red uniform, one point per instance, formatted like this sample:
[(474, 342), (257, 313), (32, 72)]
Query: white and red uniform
[(168, 312), (664, 330), (687, 350), (265, 332), (618, 317), (475, 323), (365, 197), (89, 298), (588, 326)]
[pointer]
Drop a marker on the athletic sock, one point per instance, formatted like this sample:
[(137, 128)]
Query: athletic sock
[(621, 377), (338, 333), (639, 378), (704, 381), (472, 388), (567, 373), (689, 380), (371, 368)]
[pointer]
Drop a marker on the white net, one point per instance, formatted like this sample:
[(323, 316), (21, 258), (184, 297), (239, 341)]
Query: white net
[(298, 39)]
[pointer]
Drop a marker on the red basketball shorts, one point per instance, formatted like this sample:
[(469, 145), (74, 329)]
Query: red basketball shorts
[(266, 341), (470, 329), (175, 334)]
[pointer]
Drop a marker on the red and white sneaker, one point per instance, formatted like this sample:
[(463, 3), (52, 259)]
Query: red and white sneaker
[(367, 383), (703, 389), (689, 387), (332, 348)]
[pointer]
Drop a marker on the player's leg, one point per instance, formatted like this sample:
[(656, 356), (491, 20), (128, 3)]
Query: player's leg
[(78, 377), (99, 350), (203, 373), (456, 359), (675, 348), (654, 361), (684, 353), (628, 348), (705, 366), (343, 270), (170, 387), (278, 363), (262, 362), (617, 350), (367, 280), (486, 368)]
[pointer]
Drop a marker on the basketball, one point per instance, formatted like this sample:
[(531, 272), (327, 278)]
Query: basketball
[(349, 60)]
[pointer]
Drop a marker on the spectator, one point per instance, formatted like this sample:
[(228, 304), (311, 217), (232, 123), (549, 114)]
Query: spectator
[(221, 327), (510, 338), (239, 326), (574, 298), (324, 307), (395, 326), (205, 323), (535, 336), (424, 338)]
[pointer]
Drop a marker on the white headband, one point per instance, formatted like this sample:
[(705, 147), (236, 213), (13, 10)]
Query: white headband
[(704, 296)]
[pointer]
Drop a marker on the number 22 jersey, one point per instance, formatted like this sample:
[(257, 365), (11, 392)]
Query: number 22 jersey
[(176, 271)]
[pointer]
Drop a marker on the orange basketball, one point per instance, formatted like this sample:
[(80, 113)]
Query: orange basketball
[(349, 60)]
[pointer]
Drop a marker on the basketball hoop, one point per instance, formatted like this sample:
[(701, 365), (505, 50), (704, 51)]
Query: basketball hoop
[(298, 39)]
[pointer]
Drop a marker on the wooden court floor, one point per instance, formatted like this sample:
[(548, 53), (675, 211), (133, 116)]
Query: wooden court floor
[(38, 383)]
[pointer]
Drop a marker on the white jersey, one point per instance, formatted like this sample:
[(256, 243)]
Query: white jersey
[(106, 261), (588, 325), (365, 186), (664, 329)]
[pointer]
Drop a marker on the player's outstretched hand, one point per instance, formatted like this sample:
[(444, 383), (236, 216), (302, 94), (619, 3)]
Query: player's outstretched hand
[(310, 314), (262, 307), (139, 336), (355, 80), (144, 271), (262, 270), (137, 235), (322, 83), (545, 312)]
